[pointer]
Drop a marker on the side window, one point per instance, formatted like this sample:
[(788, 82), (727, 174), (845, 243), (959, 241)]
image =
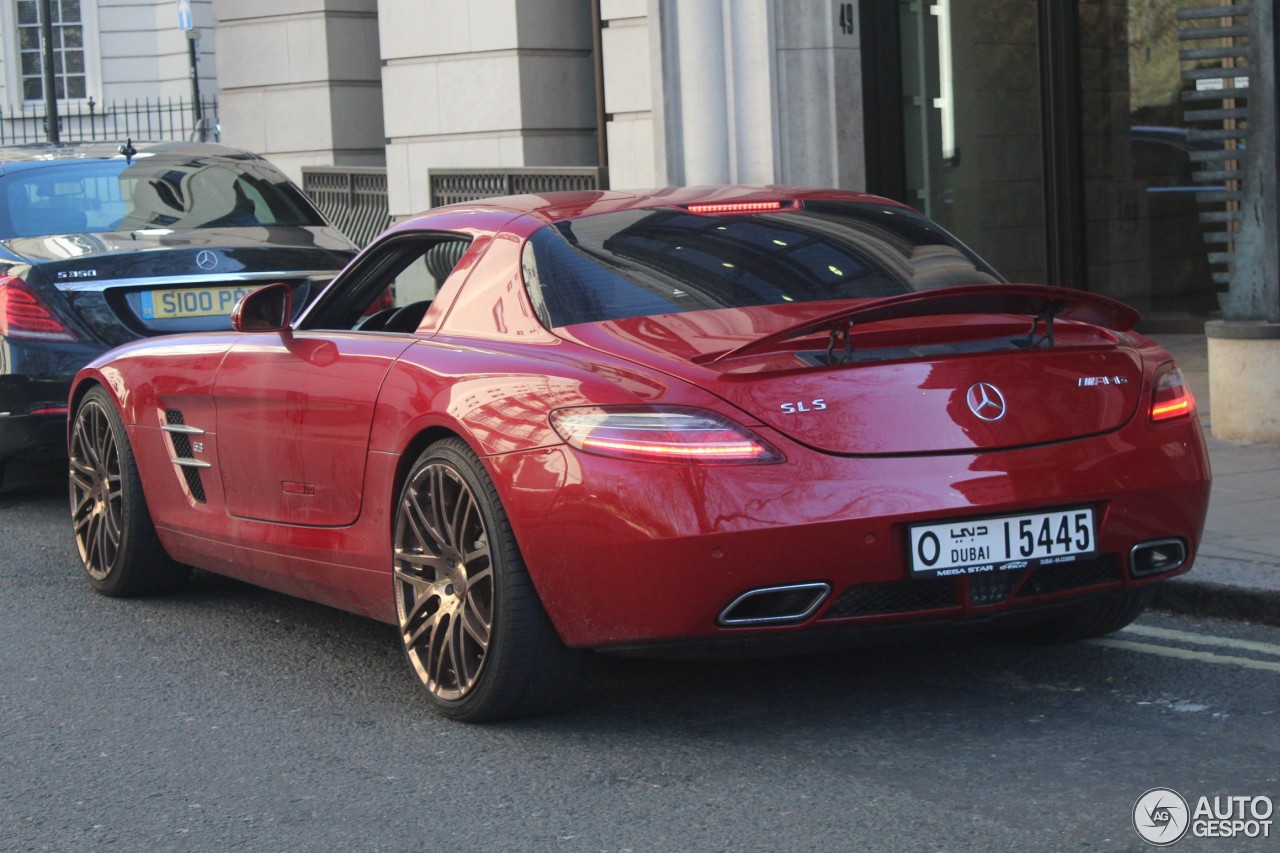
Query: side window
[(393, 288), (413, 284)]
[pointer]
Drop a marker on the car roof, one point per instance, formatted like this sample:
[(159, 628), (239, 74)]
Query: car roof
[(38, 155), (526, 213)]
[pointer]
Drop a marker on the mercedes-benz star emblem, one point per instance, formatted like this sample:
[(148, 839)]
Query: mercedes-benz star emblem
[(985, 401), (206, 260)]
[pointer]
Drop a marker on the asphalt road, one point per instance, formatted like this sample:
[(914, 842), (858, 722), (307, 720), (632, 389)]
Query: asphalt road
[(229, 718)]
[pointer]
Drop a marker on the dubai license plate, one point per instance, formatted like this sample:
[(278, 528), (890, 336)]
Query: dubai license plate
[(977, 545), (178, 303)]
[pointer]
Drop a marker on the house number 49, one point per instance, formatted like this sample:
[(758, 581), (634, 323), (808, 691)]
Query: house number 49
[(845, 11)]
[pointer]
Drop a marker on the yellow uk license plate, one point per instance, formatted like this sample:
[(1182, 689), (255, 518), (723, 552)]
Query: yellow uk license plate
[(183, 302)]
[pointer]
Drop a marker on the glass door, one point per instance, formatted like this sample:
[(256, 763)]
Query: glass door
[(1146, 179), (971, 121), (1068, 143)]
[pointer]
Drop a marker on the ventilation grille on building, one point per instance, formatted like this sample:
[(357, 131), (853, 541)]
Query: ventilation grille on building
[(353, 199), (454, 185)]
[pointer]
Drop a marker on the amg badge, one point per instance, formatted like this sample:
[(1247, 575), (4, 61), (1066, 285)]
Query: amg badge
[(1094, 381)]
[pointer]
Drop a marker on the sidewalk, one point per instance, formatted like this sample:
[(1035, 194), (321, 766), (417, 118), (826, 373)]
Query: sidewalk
[(1237, 572)]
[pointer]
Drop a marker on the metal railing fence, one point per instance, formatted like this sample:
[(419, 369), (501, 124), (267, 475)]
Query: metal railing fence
[(140, 119), (454, 185), (352, 198)]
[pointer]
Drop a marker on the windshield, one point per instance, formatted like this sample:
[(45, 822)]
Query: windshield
[(667, 260), (90, 196)]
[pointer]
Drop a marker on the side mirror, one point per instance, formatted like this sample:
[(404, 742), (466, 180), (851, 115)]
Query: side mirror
[(267, 309)]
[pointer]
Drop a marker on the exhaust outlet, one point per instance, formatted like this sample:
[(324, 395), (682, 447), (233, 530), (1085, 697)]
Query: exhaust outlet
[(774, 605), (1157, 557)]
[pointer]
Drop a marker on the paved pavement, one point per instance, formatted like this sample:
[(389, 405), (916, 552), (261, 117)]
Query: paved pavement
[(1237, 572)]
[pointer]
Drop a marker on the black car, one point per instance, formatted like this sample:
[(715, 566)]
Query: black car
[(104, 244)]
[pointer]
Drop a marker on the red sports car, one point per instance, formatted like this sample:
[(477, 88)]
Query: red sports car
[(605, 421)]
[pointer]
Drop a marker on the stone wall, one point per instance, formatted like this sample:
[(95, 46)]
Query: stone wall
[(483, 83), (301, 81), (753, 91)]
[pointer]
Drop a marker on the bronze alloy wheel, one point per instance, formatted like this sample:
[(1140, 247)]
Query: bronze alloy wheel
[(471, 623), (444, 579), (109, 516), (95, 490)]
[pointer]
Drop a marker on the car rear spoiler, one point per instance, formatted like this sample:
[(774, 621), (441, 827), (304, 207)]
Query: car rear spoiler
[(1041, 303)]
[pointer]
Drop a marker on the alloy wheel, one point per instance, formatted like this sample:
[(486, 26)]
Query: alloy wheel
[(96, 491), (444, 579)]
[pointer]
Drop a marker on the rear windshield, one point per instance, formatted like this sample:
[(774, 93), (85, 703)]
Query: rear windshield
[(89, 196), (667, 260)]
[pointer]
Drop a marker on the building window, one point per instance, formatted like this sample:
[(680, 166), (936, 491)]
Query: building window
[(68, 50)]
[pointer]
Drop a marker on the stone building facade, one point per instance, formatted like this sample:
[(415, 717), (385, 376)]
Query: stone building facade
[(109, 50), (1088, 143)]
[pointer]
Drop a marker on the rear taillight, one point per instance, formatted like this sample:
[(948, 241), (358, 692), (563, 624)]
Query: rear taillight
[(660, 434), (1171, 397), (25, 315)]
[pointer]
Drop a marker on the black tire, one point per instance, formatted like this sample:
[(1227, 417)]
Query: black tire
[(115, 537), (471, 624), (1095, 618)]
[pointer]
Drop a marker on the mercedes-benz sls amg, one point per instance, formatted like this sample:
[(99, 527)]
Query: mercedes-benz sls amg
[(734, 417)]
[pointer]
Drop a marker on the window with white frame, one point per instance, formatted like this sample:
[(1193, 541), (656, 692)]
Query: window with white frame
[(68, 49)]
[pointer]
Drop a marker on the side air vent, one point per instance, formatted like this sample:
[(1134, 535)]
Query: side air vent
[(180, 434)]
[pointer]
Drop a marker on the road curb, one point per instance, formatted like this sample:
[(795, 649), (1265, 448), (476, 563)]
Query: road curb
[(1201, 598)]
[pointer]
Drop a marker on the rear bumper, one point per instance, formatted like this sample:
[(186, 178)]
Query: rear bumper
[(35, 380), (628, 554), (33, 417), (33, 435), (832, 635)]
